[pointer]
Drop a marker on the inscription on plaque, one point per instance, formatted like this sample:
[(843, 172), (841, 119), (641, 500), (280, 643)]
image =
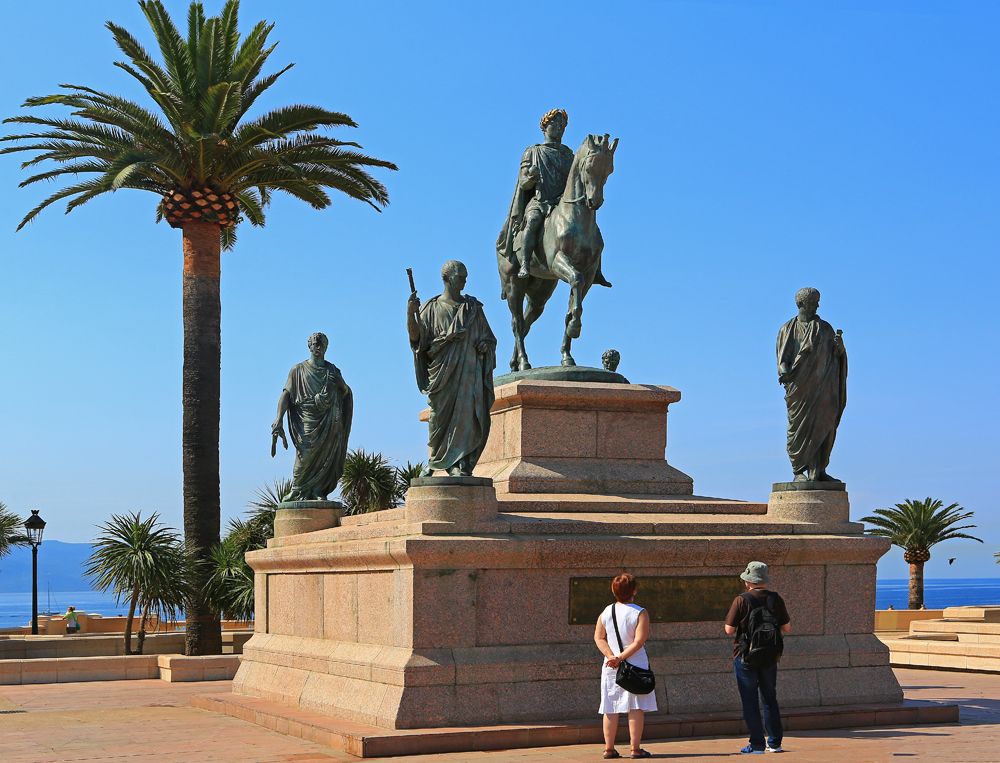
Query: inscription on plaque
[(667, 599)]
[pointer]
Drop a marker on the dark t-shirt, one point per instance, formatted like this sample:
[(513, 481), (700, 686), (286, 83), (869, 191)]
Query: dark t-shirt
[(740, 610)]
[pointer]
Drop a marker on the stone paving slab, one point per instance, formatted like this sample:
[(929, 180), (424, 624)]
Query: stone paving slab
[(150, 720)]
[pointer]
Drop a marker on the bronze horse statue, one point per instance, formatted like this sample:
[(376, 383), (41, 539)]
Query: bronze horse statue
[(569, 250)]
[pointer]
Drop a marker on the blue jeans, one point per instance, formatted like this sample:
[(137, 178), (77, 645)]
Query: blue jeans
[(750, 682)]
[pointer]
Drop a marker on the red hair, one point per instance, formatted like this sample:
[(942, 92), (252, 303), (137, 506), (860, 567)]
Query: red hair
[(623, 587)]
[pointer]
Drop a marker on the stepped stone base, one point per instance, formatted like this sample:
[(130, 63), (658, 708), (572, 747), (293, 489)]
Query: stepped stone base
[(474, 606), (967, 638), (372, 742)]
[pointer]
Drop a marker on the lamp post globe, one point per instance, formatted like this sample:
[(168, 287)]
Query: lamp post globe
[(34, 526)]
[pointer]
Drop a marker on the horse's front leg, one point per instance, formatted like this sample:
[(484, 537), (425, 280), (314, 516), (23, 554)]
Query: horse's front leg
[(515, 301), (563, 268)]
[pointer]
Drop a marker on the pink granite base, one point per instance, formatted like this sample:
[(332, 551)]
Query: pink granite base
[(454, 611)]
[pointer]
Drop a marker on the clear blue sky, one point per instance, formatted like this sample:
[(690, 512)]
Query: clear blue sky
[(766, 146)]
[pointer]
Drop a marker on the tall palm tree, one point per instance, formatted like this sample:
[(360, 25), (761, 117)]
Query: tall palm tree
[(141, 561), (11, 531), (915, 526), (210, 167)]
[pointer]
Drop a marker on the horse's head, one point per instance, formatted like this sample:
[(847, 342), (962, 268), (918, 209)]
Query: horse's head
[(597, 161)]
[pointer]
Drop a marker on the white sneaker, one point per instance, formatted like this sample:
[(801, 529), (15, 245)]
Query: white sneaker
[(773, 749)]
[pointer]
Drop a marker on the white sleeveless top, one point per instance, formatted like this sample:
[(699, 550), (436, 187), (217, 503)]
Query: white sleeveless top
[(628, 620)]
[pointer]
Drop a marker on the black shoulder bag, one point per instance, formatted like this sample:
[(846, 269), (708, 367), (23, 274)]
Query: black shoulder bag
[(631, 678)]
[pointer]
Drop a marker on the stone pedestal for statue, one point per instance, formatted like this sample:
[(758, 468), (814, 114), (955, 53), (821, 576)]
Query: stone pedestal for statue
[(824, 503), (475, 607), (297, 517)]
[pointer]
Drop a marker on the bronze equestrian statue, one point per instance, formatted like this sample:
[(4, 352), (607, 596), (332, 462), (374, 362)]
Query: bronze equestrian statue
[(551, 232)]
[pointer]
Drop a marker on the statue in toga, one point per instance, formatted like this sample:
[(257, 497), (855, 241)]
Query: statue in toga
[(812, 366), (320, 408), (454, 354)]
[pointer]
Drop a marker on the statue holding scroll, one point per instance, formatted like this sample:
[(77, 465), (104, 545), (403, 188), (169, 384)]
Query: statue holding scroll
[(320, 408), (454, 354), (812, 366)]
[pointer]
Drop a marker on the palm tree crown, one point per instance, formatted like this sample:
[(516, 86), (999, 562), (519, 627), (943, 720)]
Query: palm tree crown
[(198, 154), (143, 562), (915, 526), (11, 531)]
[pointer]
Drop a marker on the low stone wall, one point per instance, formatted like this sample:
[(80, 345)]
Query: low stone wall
[(168, 667), (111, 645)]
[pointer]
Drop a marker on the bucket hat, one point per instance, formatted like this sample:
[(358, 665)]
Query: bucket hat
[(756, 572)]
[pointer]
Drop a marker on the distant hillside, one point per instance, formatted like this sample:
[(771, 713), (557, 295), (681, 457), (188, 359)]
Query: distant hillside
[(59, 564)]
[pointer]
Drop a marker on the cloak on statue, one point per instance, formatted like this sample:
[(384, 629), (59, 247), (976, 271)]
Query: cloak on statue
[(554, 161), (815, 390), (457, 380), (320, 412)]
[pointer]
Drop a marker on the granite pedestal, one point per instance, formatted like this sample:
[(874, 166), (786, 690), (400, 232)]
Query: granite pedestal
[(475, 603)]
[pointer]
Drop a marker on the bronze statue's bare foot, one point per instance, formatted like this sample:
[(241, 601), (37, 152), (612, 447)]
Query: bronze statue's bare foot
[(801, 478), (824, 477), (426, 472)]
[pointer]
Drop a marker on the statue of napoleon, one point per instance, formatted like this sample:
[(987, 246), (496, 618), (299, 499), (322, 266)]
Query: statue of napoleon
[(454, 354), (551, 232), (812, 366), (540, 185), (320, 409)]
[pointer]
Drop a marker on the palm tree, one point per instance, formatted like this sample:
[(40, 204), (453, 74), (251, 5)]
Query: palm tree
[(210, 168), (369, 482), (143, 562), (11, 531), (230, 586), (403, 476), (915, 526)]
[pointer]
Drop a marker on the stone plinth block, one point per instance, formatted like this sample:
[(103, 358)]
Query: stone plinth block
[(461, 501), (577, 437), (825, 507), (297, 517)]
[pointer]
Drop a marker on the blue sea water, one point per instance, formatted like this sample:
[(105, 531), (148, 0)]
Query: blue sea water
[(15, 608), (938, 594)]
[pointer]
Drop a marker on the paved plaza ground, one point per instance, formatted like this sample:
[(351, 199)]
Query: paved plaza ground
[(137, 721)]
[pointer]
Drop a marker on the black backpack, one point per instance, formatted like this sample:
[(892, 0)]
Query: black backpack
[(761, 644)]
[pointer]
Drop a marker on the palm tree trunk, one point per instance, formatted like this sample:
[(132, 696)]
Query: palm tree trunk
[(916, 585), (202, 310), (128, 620)]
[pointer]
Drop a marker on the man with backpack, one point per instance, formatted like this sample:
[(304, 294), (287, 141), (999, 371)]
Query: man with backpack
[(758, 618)]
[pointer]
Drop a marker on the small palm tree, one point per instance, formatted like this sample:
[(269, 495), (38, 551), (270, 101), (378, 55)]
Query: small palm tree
[(144, 562), (403, 476), (230, 586), (11, 531), (369, 482), (210, 167), (915, 526)]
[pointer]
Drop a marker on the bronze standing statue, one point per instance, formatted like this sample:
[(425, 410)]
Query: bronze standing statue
[(812, 366), (551, 232), (454, 354), (320, 409)]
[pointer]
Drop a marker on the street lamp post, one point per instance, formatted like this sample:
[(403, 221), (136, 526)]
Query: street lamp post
[(33, 526)]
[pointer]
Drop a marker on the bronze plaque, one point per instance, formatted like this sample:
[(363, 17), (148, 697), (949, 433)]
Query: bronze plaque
[(667, 599)]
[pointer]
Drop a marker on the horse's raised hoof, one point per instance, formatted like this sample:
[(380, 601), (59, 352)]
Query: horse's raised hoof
[(573, 328), (568, 360)]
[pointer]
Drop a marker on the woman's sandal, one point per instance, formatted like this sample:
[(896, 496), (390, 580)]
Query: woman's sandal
[(641, 754), (612, 754)]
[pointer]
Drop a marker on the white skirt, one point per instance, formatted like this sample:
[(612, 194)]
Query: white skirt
[(614, 699)]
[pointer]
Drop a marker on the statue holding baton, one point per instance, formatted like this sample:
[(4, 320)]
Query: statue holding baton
[(454, 354)]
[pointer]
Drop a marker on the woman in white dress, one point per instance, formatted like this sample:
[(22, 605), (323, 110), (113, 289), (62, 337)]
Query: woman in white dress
[(633, 624)]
